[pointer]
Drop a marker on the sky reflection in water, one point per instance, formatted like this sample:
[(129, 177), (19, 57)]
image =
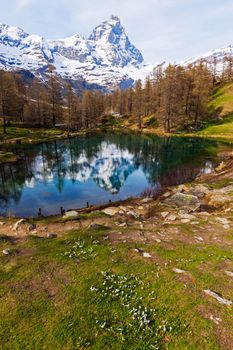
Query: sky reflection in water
[(96, 169)]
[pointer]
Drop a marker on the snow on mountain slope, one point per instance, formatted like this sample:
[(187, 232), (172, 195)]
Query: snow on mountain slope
[(214, 57), (106, 59)]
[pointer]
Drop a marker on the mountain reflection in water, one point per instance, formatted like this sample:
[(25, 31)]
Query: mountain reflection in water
[(97, 168)]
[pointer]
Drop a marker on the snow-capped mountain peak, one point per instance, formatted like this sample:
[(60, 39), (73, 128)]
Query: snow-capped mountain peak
[(107, 29), (113, 45), (11, 34), (106, 60)]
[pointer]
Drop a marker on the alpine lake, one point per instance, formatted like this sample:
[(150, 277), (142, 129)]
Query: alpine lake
[(98, 168)]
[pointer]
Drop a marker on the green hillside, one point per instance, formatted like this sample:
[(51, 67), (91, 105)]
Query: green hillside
[(221, 103)]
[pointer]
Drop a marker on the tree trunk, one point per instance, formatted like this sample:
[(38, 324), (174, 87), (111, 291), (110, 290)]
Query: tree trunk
[(4, 125)]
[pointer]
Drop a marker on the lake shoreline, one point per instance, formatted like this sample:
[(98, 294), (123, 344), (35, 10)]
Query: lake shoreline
[(132, 201), (182, 240), (192, 156)]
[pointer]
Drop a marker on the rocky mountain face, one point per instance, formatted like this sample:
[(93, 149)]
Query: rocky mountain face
[(106, 60)]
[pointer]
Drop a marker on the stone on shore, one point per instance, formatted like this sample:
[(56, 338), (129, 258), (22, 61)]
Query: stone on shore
[(110, 211), (188, 201), (70, 214)]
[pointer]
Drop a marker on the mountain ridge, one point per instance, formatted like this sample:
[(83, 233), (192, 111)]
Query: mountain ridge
[(106, 58)]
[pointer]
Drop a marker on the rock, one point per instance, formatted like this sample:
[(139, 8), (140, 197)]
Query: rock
[(110, 211), (136, 250), (147, 200), (187, 216), (185, 200), (166, 194), (226, 227), (185, 221), (171, 217), (122, 208), (164, 214), (146, 255), (182, 188), (216, 320), (51, 235), (16, 225), (140, 207), (218, 297), (157, 240), (140, 250), (223, 221), (203, 214), (200, 239), (199, 191), (95, 226), (31, 227), (179, 271), (122, 225), (70, 214), (229, 273), (216, 199), (6, 252), (2, 223), (133, 214)]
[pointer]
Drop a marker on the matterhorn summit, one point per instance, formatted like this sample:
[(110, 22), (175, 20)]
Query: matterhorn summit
[(113, 45)]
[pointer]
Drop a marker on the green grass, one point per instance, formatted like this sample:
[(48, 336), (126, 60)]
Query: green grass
[(222, 99), (222, 105), (25, 135), (29, 134), (81, 292), (223, 128)]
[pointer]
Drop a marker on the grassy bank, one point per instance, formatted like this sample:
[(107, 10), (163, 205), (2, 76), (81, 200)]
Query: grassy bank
[(29, 135), (80, 292)]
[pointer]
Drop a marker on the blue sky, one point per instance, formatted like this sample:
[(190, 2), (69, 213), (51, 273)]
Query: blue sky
[(169, 30)]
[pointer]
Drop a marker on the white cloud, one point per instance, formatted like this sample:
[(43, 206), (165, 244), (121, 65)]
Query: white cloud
[(21, 4)]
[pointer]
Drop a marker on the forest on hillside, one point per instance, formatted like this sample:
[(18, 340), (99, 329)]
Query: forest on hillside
[(175, 98)]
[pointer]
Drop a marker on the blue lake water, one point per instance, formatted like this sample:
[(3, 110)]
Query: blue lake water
[(98, 168)]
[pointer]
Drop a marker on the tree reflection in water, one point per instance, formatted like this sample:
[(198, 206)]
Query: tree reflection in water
[(96, 168)]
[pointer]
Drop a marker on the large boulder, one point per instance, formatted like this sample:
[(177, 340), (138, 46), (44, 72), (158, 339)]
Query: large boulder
[(199, 191), (188, 201), (218, 199)]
